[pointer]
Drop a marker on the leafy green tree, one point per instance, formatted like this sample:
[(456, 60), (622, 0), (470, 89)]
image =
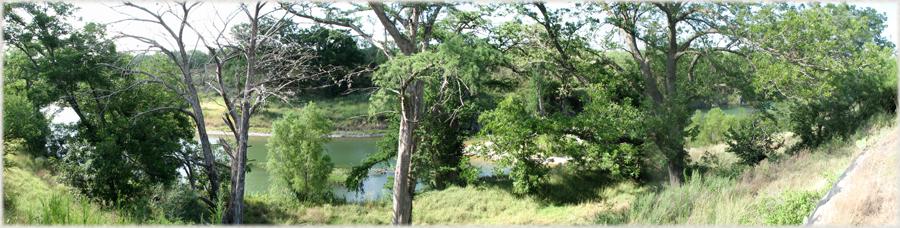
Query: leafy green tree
[(21, 119), (296, 153), (669, 32), (453, 74), (832, 75), (128, 154), (604, 138), (124, 142), (571, 101), (513, 131), (412, 29)]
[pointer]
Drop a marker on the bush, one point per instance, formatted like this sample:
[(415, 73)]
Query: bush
[(296, 157), (753, 140), (179, 203), (710, 127), (791, 208)]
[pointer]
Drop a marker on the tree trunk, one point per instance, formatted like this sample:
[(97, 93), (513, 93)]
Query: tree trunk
[(675, 153), (208, 158), (411, 102), (235, 210), (236, 201), (538, 82), (674, 137), (674, 171)]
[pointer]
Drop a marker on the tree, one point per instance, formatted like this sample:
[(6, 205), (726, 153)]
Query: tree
[(832, 76), (108, 158), (263, 68), (686, 29), (410, 27), (296, 153), (132, 150), (753, 139), (333, 48), (513, 129), (571, 101), (22, 117), (453, 73), (184, 82)]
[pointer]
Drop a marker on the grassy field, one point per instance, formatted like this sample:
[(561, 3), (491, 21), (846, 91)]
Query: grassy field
[(349, 113)]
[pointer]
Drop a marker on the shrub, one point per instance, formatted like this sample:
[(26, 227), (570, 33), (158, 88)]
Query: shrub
[(179, 203), (753, 140), (791, 208), (710, 127), (296, 157)]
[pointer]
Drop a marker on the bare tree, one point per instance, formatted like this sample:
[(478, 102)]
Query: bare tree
[(184, 84), (268, 68), (410, 27)]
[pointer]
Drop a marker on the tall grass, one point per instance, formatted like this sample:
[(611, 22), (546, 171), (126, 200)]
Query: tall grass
[(700, 200), (31, 195), (775, 192), (29, 199)]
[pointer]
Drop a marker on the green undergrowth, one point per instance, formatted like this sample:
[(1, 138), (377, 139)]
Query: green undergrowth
[(779, 191), (32, 195)]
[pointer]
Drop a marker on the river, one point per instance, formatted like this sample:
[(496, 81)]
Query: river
[(344, 152)]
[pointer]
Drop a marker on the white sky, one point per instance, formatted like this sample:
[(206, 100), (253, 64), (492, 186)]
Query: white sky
[(205, 17)]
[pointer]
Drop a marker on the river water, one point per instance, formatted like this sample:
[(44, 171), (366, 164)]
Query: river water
[(344, 152)]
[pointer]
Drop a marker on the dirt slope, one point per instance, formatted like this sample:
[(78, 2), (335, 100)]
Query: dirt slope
[(867, 193)]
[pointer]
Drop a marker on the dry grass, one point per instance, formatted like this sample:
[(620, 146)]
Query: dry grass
[(868, 194), (776, 191)]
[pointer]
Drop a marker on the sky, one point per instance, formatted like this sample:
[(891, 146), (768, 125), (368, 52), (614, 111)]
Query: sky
[(208, 16)]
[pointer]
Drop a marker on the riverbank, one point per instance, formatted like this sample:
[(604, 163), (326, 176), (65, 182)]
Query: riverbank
[(350, 115), (336, 134)]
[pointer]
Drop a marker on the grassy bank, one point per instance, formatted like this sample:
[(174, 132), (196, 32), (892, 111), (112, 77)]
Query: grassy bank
[(779, 191), (349, 113), (33, 195), (454, 205)]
